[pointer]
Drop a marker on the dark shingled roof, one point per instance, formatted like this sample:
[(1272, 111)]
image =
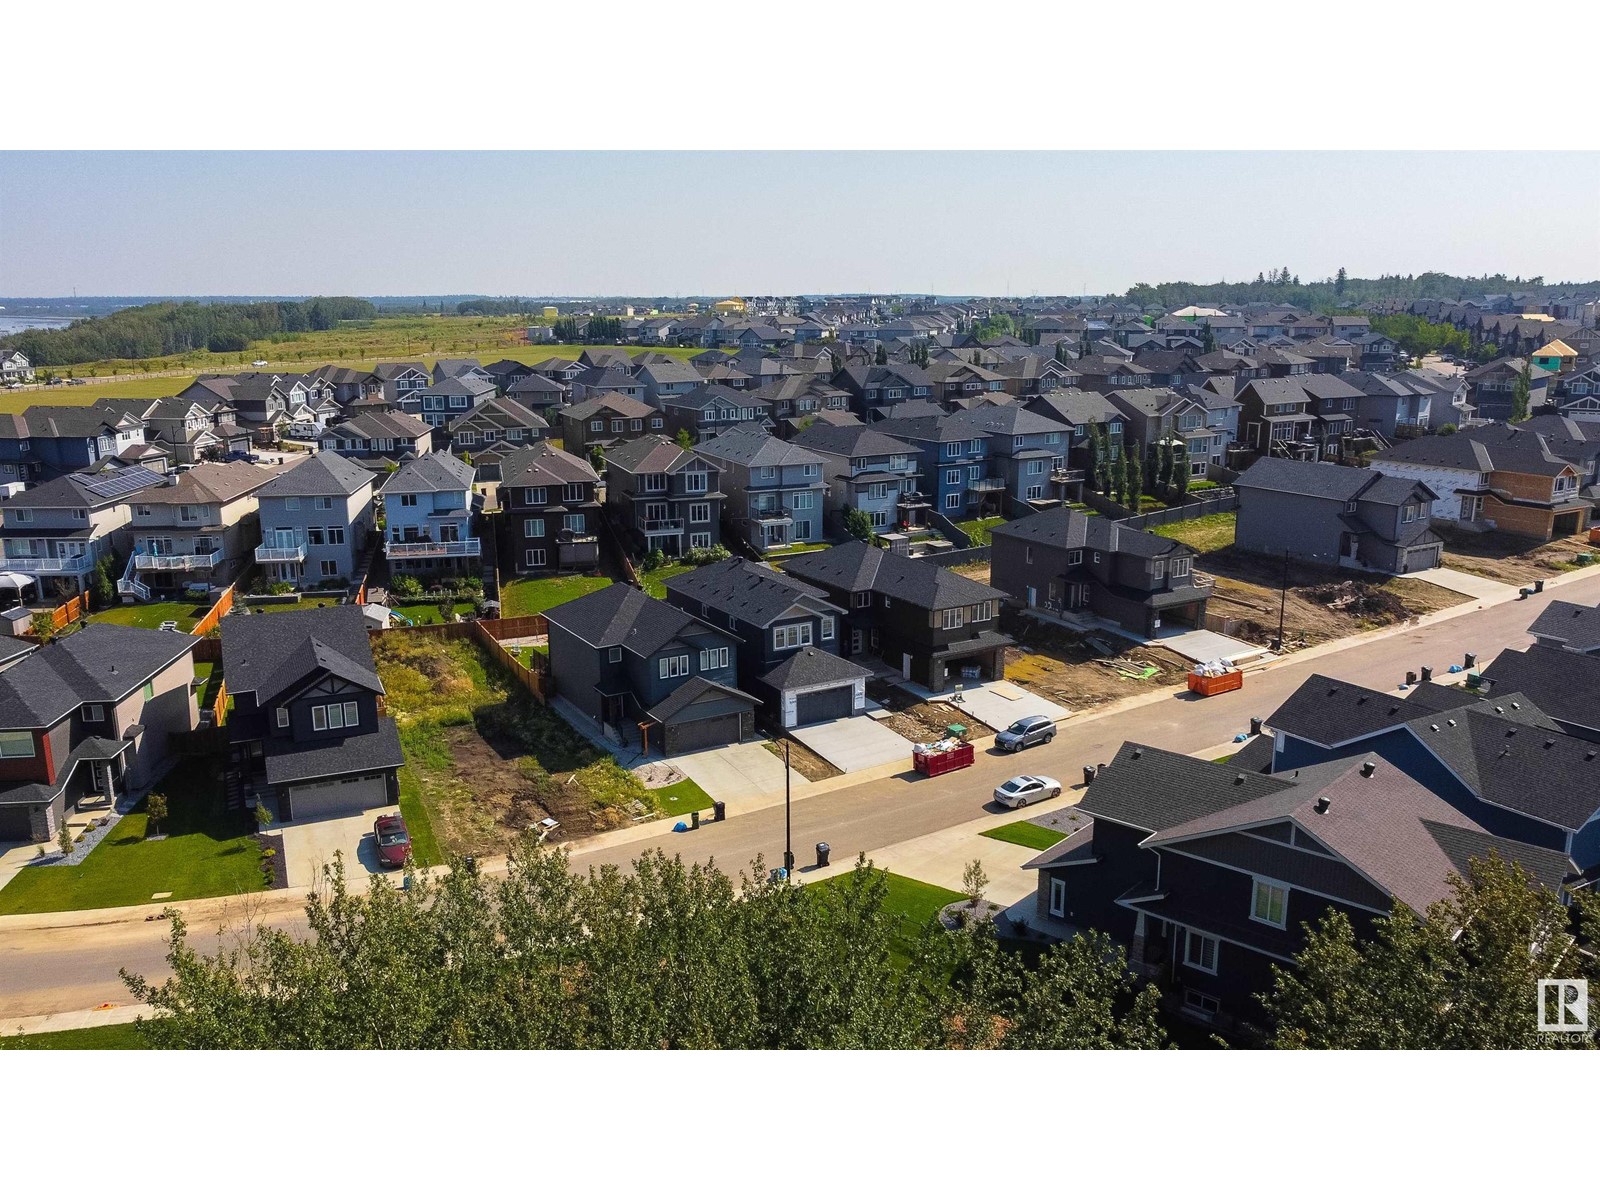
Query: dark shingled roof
[(97, 665), (697, 691), (858, 567), (1154, 789), (623, 616), (751, 592), (1576, 625), (1072, 529), (267, 651), (543, 465), (850, 441), (1323, 480), (292, 762), (324, 474), (1564, 685), (1330, 712), (812, 667)]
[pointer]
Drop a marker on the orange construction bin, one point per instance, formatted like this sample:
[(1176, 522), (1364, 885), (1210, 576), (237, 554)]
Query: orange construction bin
[(1213, 685)]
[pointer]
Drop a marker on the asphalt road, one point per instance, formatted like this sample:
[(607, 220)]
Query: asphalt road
[(47, 967)]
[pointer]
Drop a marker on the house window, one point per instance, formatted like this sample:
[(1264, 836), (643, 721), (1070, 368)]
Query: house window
[(812, 470), (790, 637), (694, 481), (674, 666), (1058, 897), (827, 629), (952, 500), (1027, 555), (1160, 569), (572, 492), (1036, 467), (292, 503), (533, 496), (573, 522), (614, 654), (700, 541), (953, 618), (656, 423), (1269, 904), (534, 558), (1036, 491), (408, 500), (93, 713), (1200, 1003), (1200, 952), (283, 718), (861, 600), (617, 426), (597, 426), (533, 527), (330, 568), (16, 744), (699, 514), (711, 660), (1180, 568), (953, 477)]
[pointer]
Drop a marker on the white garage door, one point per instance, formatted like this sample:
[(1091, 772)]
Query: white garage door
[(344, 798)]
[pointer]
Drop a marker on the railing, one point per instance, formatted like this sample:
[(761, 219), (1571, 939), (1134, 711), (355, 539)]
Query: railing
[(269, 553), (915, 500), (177, 562), (129, 586), (775, 514), (471, 547), (12, 562), (674, 526), (568, 537), (1066, 475), (991, 484)]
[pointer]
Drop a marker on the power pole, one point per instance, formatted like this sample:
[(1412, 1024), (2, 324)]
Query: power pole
[(788, 842), (1283, 600)]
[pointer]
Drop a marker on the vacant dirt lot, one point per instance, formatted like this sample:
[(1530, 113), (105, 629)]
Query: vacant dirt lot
[(1511, 559), (802, 758), (974, 570), (1063, 667), (920, 720)]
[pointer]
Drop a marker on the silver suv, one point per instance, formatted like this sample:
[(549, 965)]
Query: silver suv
[(1029, 731)]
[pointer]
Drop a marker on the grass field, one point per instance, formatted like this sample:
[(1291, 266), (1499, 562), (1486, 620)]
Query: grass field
[(1213, 532), (978, 530), (207, 851), (655, 582), (103, 1037), (1026, 833), (150, 616), (524, 597)]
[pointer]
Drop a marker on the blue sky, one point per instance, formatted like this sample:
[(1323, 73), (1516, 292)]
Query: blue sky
[(698, 223)]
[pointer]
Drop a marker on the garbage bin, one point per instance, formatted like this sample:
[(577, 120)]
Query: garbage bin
[(823, 850), (694, 819), (1088, 776), (470, 864), (719, 810)]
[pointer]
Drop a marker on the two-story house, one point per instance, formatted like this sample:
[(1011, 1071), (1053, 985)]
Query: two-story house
[(935, 627), (664, 497), (1394, 405), (606, 420), (1500, 474), (1155, 417), (713, 408), (308, 733), (667, 377), (1491, 388), (597, 381), (776, 492), (1349, 516), (428, 510), (15, 367), (85, 723), (952, 464), (398, 380), (883, 386), (448, 399), (623, 657), (1066, 561), (316, 520), (374, 435), (196, 530), (1276, 418), (496, 421), (58, 531), (47, 440), (867, 471), (552, 510), (1024, 449), (1093, 420), (789, 639), (459, 368)]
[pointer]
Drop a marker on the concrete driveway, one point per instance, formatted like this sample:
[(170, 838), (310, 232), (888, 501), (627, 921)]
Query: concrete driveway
[(310, 845), (854, 743), (1202, 645), (737, 772), (1466, 583), (999, 703)]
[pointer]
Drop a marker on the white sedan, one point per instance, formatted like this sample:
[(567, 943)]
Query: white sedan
[(1026, 789)]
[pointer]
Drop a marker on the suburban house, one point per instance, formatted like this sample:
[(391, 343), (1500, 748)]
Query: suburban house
[(1563, 685), (713, 408), (448, 398), (664, 497), (597, 381), (866, 470), (1066, 561), (390, 436), (552, 513), (496, 419), (1336, 515), (1208, 874), (788, 635), (308, 732), (507, 371), (1568, 626), (398, 380), (1297, 416), (196, 530), (316, 520), (605, 420), (1394, 405), (1161, 416), (883, 386), (668, 377), (428, 508), (622, 656), (952, 475), (85, 723), (459, 368), (1491, 388), (58, 531), (776, 493), (537, 392), (1504, 475), (47, 440), (1092, 417), (15, 367), (935, 627)]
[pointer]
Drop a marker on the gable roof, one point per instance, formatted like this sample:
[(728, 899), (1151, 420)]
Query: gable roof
[(324, 474), (859, 567), (620, 615), (752, 446), (614, 402), (1576, 625), (1327, 481), (541, 465), (1076, 530), (206, 483), (850, 441), (1563, 684), (811, 667), (751, 592), (436, 472), (652, 453), (265, 652), (101, 663)]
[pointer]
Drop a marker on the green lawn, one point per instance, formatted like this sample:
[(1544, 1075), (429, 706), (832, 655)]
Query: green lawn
[(150, 616), (978, 530), (1026, 833), (425, 850), (523, 597), (655, 582), (429, 614), (212, 674), (794, 548), (1204, 534), (207, 852), (126, 1036), (915, 902), (676, 799)]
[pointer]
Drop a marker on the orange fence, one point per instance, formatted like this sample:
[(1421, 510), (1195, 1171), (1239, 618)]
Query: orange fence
[(220, 609), (219, 710), (69, 612)]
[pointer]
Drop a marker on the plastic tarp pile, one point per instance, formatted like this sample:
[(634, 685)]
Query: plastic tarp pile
[(940, 747), (1214, 668)]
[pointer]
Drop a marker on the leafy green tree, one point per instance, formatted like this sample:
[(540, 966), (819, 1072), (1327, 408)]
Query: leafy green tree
[(1135, 482), (64, 840), (858, 524), (1520, 392), (597, 457), (685, 439), (1464, 976), (43, 625), (1179, 480), (155, 811), (882, 356), (1119, 478), (102, 587)]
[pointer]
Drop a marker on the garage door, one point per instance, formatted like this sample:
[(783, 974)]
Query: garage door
[(345, 798), (825, 705), (15, 823), (698, 735)]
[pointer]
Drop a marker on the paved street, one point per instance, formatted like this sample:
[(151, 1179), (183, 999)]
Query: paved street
[(53, 965)]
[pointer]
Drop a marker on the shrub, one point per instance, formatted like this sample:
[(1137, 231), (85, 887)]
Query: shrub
[(447, 611), (706, 554), (282, 588), (405, 586), (653, 560)]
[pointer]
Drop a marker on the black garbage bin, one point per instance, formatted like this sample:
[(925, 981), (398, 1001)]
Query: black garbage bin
[(719, 810), (823, 850), (470, 864), (1088, 776), (694, 819)]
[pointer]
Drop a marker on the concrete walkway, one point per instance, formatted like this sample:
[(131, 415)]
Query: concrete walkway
[(736, 772), (855, 743), (1467, 584)]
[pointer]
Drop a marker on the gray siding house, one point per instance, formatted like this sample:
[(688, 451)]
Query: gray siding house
[(776, 493), (316, 520), (866, 469), (428, 506)]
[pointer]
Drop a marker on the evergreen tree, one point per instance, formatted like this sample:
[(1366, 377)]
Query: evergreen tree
[(1119, 478), (882, 357), (1520, 391), (1135, 482), (1179, 480), (858, 524), (1339, 282), (1208, 339), (685, 439)]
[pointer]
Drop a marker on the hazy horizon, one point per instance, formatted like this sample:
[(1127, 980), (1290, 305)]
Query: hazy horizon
[(781, 223)]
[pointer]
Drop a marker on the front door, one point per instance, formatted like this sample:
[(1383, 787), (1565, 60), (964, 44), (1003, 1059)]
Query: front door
[(905, 665)]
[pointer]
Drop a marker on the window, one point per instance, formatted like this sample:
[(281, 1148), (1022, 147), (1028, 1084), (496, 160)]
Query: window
[(952, 500), (533, 527), (533, 496), (1058, 897), (635, 425), (534, 558), (1159, 568), (1074, 558), (1180, 568), (94, 713), (283, 718), (330, 568), (149, 690), (408, 500), (699, 514), (292, 503), (802, 500), (1036, 491), (573, 522), (812, 470), (1269, 904), (656, 423), (700, 541), (352, 714), (954, 618), (975, 472), (953, 476), (861, 600), (614, 654), (1200, 1003), (1036, 467), (1200, 952), (335, 535), (16, 744), (674, 666), (572, 492), (597, 426), (790, 637), (617, 426), (711, 660), (1027, 555), (694, 481), (313, 537)]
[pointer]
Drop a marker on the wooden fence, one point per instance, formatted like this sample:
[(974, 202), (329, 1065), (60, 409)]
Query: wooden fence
[(219, 709), (485, 633), (69, 612), (220, 609)]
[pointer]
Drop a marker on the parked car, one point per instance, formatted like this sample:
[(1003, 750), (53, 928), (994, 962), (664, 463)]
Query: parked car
[(241, 456), (1029, 731), (1026, 789), (260, 362), (394, 840)]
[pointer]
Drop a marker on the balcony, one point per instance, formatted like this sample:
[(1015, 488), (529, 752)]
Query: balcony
[(915, 500), (574, 537), (992, 484), (47, 566), (772, 515), (1066, 475), (674, 525), (177, 562), (470, 548), (281, 550), (129, 586)]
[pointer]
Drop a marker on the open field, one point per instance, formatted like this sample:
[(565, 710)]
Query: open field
[(524, 597), (1213, 532), (1061, 666), (1509, 558), (205, 851)]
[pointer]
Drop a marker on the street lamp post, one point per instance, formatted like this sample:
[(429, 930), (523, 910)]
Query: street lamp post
[(788, 841), (1283, 600)]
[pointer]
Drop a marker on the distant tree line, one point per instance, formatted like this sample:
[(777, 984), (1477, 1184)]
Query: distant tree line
[(154, 330), (595, 329), (485, 307), (1340, 291)]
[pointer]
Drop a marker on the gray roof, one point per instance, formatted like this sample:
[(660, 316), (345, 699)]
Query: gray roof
[(623, 616), (812, 667), (654, 452), (859, 567), (1563, 684), (751, 592), (937, 426), (1330, 712), (1076, 407), (851, 441), (380, 424), (1076, 530), (1497, 447), (1327, 481), (1577, 625), (437, 472), (292, 762), (750, 446), (542, 465), (265, 652), (323, 474), (99, 664), (698, 691)]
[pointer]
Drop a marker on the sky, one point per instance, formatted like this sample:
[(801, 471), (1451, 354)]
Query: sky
[(660, 223)]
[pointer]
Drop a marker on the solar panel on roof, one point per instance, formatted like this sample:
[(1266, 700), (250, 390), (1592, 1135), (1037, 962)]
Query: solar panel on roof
[(121, 483)]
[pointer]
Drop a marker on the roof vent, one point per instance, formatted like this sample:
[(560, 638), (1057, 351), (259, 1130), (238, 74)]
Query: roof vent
[(1435, 728), (1450, 721), (1367, 768), (1548, 742), (1322, 804), (1239, 778), (1136, 752)]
